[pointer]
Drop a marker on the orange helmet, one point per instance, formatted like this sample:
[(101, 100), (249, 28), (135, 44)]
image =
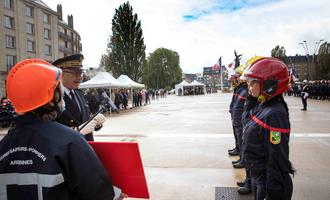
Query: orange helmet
[(31, 84)]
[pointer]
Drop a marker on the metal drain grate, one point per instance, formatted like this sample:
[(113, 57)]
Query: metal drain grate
[(230, 193)]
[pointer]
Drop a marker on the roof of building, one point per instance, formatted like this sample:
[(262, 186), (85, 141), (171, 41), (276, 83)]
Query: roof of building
[(298, 59), (190, 76), (42, 4)]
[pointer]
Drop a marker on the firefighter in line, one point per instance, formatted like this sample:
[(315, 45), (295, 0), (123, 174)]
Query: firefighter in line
[(236, 110), (40, 158), (266, 150), (250, 105)]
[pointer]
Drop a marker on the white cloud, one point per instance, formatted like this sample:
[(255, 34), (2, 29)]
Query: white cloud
[(251, 31)]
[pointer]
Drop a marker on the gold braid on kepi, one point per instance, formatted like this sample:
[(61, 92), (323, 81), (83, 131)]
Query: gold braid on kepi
[(73, 61)]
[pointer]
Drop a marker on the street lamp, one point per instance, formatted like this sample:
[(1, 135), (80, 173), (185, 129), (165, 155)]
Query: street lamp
[(305, 46)]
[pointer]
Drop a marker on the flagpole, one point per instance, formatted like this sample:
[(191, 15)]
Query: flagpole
[(221, 81)]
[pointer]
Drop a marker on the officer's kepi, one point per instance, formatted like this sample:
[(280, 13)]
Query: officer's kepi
[(71, 63)]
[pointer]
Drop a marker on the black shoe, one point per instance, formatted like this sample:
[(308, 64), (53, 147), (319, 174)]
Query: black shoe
[(234, 153), (239, 165), (236, 161), (244, 190), (229, 150), (303, 109), (240, 184)]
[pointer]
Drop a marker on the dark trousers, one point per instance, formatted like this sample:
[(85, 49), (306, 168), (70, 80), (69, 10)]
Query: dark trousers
[(238, 130), (304, 102), (248, 183), (262, 189), (281, 194), (236, 144), (258, 186)]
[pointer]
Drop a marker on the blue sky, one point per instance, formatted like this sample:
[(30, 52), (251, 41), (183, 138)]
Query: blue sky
[(203, 30), (224, 6)]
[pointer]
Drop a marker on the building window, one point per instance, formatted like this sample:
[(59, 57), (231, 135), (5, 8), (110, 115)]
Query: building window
[(48, 50), (10, 41), (9, 22), (29, 28), (31, 47), (46, 18), (47, 34), (29, 11), (9, 4), (10, 61)]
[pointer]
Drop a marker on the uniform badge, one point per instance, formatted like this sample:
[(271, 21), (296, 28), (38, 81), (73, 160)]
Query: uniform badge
[(275, 137)]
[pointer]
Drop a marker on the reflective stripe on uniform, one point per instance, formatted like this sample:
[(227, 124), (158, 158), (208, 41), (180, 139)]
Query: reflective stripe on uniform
[(240, 96), (266, 126), (41, 180)]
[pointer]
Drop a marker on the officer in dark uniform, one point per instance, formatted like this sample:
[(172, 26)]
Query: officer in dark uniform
[(267, 133), (305, 92), (77, 110), (40, 158)]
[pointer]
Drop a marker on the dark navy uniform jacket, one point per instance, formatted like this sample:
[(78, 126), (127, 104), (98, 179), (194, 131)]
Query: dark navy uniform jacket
[(250, 105), (267, 143), (47, 160), (233, 100), (238, 105), (73, 117)]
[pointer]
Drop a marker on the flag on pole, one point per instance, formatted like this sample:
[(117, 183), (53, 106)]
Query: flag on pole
[(216, 66), (293, 73)]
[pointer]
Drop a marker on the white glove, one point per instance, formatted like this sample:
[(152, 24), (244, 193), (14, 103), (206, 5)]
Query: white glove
[(117, 192), (100, 119), (90, 127)]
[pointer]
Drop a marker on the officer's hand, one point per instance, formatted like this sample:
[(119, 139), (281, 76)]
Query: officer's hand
[(100, 119), (90, 127), (122, 196)]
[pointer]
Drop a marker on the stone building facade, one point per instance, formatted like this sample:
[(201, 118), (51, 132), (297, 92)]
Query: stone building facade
[(30, 29)]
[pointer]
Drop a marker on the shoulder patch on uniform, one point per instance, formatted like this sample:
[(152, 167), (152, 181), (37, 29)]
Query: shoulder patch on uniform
[(275, 137)]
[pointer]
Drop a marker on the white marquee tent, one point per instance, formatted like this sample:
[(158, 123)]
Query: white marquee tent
[(103, 79), (179, 88), (126, 80), (199, 87)]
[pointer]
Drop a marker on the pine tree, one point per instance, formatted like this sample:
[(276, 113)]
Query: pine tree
[(125, 49)]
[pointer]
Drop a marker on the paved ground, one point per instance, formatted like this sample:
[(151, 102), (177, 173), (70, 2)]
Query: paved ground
[(184, 142)]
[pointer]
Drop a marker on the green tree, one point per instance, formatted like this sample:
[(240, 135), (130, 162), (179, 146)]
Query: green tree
[(125, 49), (163, 69), (323, 60), (278, 52)]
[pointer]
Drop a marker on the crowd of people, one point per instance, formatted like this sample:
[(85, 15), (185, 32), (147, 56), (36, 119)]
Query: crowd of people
[(318, 89), (7, 113), (261, 127), (120, 99)]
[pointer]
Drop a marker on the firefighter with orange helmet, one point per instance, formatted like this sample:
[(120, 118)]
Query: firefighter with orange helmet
[(40, 158), (267, 133)]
